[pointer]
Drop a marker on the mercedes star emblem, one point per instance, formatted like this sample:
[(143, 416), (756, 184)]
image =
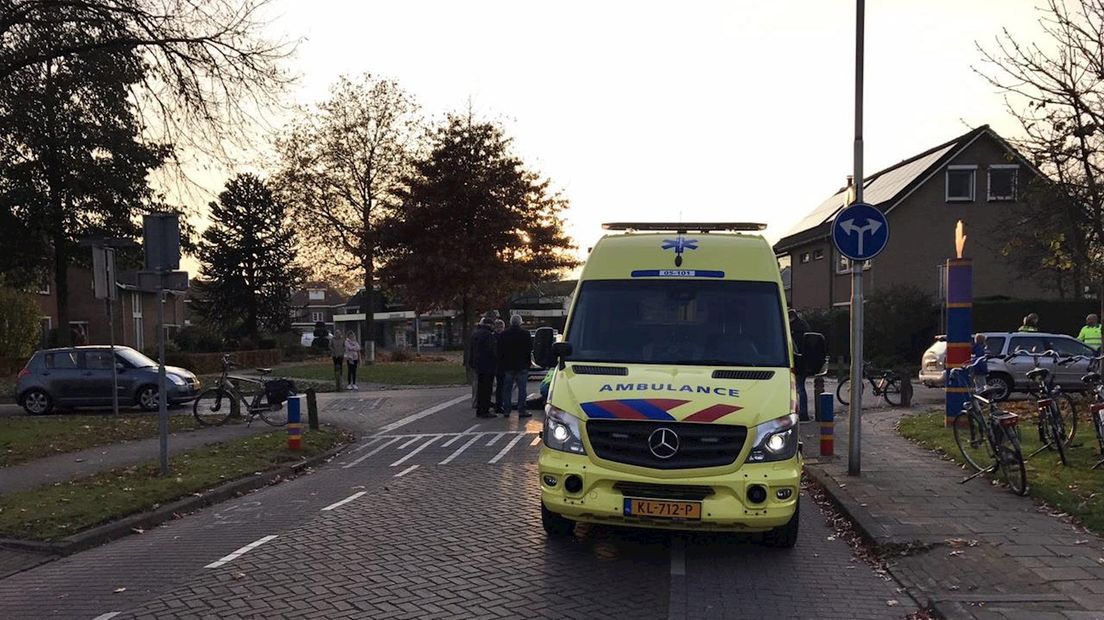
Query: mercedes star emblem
[(663, 442)]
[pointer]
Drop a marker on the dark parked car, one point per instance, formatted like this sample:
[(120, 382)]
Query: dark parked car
[(81, 377)]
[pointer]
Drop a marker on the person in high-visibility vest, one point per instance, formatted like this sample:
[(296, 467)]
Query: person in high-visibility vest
[(1090, 333)]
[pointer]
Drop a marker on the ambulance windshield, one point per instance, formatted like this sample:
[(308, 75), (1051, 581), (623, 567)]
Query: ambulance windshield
[(697, 322)]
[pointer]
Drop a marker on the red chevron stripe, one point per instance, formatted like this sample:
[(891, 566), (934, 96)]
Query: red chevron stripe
[(621, 410), (710, 414), (667, 404)]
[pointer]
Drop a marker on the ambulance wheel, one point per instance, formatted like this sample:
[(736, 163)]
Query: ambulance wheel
[(556, 525), (784, 537)]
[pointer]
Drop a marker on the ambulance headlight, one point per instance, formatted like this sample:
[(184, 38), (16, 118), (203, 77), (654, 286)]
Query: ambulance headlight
[(561, 431), (774, 440)]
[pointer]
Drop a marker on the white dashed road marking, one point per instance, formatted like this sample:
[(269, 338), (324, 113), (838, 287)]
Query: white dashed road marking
[(385, 444), (461, 449), (414, 440), (536, 440), (421, 414), (240, 552), (345, 501), (496, 438), (416, 450), (108, 616), (406, 471), (503, 451), (678, 556)]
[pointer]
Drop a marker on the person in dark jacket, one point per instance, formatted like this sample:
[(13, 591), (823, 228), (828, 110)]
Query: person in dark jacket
[(515, 351), (500, 377), (798, 327), (484, 359)]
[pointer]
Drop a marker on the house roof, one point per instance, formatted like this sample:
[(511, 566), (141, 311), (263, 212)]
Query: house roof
[(883, 189)]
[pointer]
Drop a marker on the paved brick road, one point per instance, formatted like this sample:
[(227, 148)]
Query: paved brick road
[(411, 524)]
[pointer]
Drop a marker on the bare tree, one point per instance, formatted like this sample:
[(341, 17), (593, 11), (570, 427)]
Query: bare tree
[(1053, 89), (209, 70), (342, 168)]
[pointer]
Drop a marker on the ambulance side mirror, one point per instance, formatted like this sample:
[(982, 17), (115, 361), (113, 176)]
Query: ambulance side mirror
[(542, 347), (813, 351)]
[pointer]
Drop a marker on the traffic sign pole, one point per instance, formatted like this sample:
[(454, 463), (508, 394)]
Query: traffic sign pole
[(854, 453)]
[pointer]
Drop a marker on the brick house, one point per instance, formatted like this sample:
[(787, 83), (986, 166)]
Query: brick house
[(135, 311), (973, 178), (315, 303)]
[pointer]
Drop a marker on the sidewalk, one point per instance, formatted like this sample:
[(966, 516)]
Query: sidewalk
[(965, 550), (71, 465)]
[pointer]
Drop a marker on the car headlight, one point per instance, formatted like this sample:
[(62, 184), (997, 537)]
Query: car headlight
[(177, 379), (561, 431), (775, 440)]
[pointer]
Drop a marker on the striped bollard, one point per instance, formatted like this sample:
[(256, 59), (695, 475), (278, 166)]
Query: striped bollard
[(960, 298), (295, 406), (827, 425)]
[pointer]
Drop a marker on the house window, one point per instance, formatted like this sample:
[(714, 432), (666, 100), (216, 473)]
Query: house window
[(317, 317), (1002, 182), (960, 183), (843, 264), (44, 288), (316, 294), (804, 257), (818, 254)]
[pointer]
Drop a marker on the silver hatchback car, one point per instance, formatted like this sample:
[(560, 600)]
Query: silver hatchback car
[(81, 377), (1010, 375)]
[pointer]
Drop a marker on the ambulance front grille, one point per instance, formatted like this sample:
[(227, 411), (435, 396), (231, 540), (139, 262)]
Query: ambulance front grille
[(699, 445)]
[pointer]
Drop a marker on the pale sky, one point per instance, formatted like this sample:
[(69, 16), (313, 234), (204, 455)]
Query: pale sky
[(738, 110)]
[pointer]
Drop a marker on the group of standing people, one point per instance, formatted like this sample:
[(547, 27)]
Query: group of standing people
[(497, 360), (345, 350)]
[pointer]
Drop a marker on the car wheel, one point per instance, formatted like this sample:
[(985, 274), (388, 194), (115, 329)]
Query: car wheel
[(555, 524), (1003, 383), (784, 537), (147, 398), (37, 402)]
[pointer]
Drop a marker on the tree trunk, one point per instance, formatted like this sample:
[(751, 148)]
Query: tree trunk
[(61, 289), (465, 326)]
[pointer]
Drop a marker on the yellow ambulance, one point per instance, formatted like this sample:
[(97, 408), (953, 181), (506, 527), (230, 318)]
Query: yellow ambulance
[(673, 403)]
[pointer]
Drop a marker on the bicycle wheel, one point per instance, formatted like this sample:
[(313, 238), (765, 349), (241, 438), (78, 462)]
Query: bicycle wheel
[(843, 391), (1067, 411), (969, 435), (1056, 433), (273, 414), (891, 392), (214, 406), (1011, 462)]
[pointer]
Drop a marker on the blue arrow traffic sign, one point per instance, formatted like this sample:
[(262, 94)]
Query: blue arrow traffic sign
[(860, 231)]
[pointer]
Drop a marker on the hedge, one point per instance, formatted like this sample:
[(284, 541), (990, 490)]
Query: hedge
[(1060, 316), (211, 363)]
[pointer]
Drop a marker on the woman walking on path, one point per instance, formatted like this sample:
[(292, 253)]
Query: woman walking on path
[(337, 352), (352, 358)]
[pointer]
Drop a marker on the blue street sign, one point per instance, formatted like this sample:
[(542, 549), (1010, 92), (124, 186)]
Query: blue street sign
[(860, 231)]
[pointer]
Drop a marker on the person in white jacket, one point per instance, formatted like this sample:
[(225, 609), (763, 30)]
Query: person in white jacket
[(352, 358)]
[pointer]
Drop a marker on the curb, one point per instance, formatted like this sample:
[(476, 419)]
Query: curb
[(866, 528), (127, 525)]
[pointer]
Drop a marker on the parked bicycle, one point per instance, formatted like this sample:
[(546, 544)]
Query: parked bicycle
[(1095, 385), (264, 397), (884, 383), (1057, 420), (987, 436)]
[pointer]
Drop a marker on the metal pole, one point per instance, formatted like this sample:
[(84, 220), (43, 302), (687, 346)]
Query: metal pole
[(854, 460), (162, 404), (111, 329)]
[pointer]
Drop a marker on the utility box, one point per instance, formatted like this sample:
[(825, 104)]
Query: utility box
[(162, 241)]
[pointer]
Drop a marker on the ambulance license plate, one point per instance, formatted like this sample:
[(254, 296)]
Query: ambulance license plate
[(661, 509)]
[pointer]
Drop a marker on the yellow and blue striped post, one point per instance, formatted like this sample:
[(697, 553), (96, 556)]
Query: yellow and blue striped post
[(295, 422), (827, 425), (960, 303)]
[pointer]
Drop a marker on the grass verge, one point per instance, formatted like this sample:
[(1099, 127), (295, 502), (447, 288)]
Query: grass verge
[(1076, 489), (63, 509), (390, 373), (25, 438)]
